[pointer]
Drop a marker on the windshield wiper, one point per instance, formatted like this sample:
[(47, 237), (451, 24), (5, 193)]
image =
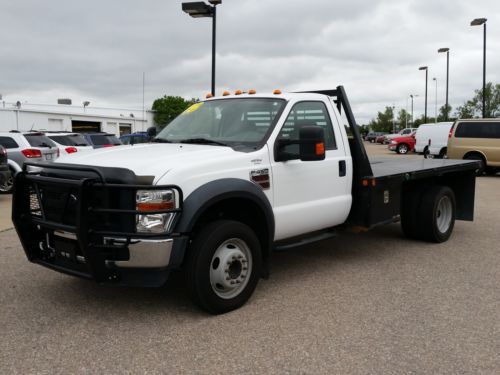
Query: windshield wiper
[(202, 141), (160, 140), (44, 145)]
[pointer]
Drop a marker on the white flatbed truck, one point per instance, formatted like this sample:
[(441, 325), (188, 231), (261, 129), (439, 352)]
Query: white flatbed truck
[(228, 182)]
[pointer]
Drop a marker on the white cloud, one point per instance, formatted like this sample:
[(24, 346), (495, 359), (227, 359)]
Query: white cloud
[(97, 50)]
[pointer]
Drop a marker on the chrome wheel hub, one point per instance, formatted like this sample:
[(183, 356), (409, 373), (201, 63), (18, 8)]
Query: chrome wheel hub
[(230, 268), (444, 214)]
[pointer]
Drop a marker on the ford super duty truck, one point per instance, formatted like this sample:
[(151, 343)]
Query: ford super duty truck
[(228, 182)]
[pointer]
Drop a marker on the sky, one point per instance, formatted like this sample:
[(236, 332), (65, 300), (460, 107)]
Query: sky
[(98, 50)]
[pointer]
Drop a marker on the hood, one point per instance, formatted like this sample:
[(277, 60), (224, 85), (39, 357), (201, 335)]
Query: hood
[(148, 159), (402, 138)]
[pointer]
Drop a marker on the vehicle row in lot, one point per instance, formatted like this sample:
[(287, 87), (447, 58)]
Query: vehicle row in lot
[(46, 146), (471, 139)]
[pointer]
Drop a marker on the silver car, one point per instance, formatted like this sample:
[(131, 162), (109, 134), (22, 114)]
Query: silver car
[(25, 147)]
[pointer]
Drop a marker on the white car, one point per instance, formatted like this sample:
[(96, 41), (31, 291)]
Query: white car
[(402, 133), (69, 143), (432, 139)]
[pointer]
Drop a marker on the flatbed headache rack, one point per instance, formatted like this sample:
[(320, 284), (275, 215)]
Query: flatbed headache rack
[(87, 207)]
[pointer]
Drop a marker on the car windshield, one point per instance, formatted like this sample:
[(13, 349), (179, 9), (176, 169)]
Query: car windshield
[(226, 122), (70, 140), (39, 140)]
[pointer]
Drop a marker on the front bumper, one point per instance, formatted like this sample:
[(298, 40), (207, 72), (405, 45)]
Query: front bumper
[(86, 228), (392, 147)]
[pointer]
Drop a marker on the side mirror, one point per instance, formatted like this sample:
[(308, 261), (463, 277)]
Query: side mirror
[(151, 132), (311, 143)]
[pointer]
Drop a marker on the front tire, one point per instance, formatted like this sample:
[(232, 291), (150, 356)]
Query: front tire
[(223, 266), (6, 187), (402, 148)]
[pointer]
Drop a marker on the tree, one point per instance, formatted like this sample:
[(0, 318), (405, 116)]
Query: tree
[(403, 118), (444, 113), (474, 107), (467, 110), (169, 107), (384, 121)]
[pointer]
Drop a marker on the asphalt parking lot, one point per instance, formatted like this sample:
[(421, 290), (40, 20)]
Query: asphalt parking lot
[(357, 304)]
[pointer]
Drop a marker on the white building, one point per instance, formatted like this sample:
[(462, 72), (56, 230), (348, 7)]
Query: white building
[(61, 117)]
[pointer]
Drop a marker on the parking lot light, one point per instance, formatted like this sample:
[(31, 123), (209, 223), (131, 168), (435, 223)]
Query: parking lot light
[(199, 9), (426, 79), (447, 50), (479, 22)]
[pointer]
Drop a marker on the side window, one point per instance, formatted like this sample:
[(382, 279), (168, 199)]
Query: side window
[(8, 142), (307, 113), (478, 130)]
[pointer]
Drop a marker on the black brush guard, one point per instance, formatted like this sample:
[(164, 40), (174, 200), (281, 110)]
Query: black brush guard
[(69, 224)]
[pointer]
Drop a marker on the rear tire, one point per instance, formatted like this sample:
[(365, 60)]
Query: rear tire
[(223, 266), (481, 169), (436, 214), (443, 154)]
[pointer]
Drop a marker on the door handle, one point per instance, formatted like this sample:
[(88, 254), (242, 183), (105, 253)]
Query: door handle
[(342, 168)]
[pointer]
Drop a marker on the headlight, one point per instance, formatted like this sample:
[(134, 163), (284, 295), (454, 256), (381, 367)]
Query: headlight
[(155, 200), (394, 142)]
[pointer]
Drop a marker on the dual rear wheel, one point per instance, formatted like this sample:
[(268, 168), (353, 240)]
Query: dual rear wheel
[(429, 215)]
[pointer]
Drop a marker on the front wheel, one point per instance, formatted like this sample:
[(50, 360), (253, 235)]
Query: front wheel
[(6, 187), (402, 148), (223, 266), (427, 154)]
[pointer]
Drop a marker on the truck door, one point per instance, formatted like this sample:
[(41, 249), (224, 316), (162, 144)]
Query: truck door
[(310, 195)]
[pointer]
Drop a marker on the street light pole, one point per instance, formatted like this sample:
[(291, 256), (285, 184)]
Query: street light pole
[(436, 101), (478, 22), (198, 10), (426, 79), (412, 96), (447, 50), (214, 22)]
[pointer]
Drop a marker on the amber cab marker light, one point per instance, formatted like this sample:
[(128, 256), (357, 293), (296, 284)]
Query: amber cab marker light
[(237, 92), (320, 149), (209, 95), (252, 91), (226, 93), (277, 92), (365, 182)]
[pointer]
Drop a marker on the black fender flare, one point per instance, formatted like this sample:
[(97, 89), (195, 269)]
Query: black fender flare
[(216, 191)]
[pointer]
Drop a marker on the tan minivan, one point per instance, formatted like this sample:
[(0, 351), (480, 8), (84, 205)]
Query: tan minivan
[(476, 139)]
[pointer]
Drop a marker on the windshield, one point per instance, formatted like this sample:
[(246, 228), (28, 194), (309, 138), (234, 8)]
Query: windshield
[(70, 140), (224, 122)]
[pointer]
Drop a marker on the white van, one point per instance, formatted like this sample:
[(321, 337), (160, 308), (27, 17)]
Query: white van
[(432, 139)]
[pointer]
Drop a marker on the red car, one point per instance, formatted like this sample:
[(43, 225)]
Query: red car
[(403, 145), (380, 139)]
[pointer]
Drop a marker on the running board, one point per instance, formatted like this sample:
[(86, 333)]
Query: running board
[(306, 241)]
